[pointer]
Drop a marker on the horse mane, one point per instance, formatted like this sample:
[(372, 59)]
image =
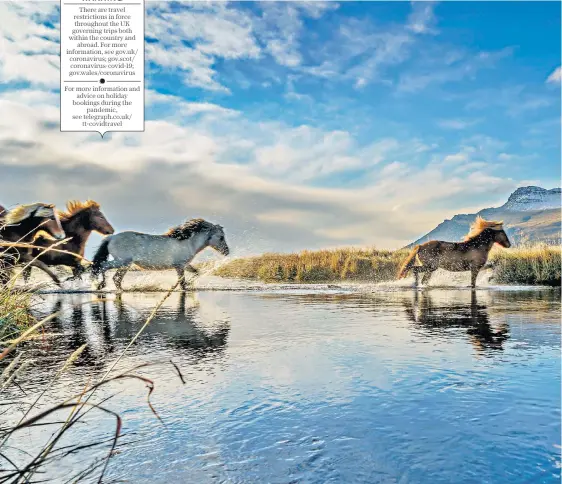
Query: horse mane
[(75, 206), (21, 212), (189, 229), (480, 225)]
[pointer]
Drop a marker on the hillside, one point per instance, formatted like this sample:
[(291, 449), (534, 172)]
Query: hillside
[(531, 214)]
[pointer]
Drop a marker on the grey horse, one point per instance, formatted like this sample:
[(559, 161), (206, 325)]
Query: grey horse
[(173, 250)]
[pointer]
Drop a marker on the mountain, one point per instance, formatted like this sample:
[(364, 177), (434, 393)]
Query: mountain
[(531, 214)]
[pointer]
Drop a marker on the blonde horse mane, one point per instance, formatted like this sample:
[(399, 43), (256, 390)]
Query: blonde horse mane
[(75, 206), (480, 225), (21, 212)]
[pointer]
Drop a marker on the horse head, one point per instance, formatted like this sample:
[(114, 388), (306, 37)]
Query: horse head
[(217, 240), (99, 223), (498, 234), (88, 215)]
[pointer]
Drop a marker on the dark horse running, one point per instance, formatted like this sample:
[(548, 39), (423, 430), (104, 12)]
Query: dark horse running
[(470, 255), (78, 222), (20, 224)]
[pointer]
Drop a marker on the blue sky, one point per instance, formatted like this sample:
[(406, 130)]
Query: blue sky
[(300, 125)]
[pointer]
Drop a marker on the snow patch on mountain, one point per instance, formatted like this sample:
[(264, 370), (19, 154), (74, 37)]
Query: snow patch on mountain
[(533, 198)]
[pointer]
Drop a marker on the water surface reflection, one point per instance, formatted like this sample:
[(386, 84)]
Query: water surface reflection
[(324, 387), (442, 318)]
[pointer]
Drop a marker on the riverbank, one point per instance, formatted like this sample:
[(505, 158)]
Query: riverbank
[(531, 265)]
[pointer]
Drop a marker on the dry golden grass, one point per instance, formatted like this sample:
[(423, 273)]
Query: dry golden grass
[(15, 315), (318, 266), (538, 264)]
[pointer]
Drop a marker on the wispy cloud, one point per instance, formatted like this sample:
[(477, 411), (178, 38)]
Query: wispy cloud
[(190, 40), (452, 68), (280, 25), (422, 19), (556, 76), (30, 46), (515, 100)]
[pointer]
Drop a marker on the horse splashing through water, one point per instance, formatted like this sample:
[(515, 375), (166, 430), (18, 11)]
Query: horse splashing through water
[(173, 250), (470, 255), (78, 221), (20, 224)]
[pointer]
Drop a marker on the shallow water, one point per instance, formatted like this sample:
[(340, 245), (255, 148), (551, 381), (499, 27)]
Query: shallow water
[(314, 386)]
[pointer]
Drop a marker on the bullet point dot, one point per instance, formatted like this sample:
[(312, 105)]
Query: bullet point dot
[(102, 81)]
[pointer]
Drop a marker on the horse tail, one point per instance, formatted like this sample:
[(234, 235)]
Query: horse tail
[(409, 262), (101, 256)]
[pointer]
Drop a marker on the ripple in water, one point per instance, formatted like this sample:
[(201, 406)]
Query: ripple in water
[(288, 386)]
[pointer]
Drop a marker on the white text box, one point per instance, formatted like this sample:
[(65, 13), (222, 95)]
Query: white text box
[(102, 65)]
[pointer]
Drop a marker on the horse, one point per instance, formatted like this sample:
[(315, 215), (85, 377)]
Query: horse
[(470, 255), (20, 224), (78, 221), (174, 249)]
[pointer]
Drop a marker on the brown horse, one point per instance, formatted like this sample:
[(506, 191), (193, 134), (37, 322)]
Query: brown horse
[(78, 222), (21, 224), (470, 255)]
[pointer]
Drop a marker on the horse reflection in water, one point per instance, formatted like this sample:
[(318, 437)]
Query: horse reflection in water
[(108, 327), (439, 319), (179, 328)]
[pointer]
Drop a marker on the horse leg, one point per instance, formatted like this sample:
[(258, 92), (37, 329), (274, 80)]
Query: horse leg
[(107, 265), (118, 277), (417, 277), (5, 276), (181, 277), (426, 277), (190, 268), (26, 273), (102, 283), (45, 268), (473, 275), (77, 272)]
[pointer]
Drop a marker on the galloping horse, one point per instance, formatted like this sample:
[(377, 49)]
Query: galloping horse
[(470, 255), (78, 222), (173, 250), (20, 224)]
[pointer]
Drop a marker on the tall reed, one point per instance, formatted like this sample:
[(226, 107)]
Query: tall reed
[(78, 407)]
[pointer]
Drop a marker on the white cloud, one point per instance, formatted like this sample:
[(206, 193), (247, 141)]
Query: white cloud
[(213, 30), (281, 25), (363, 51), (176, 170), (451, 69), (30, 49), (556, 76), (422, 18)]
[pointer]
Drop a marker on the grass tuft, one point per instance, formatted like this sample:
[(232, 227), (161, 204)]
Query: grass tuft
[(317, 266), (15, 314), (537, 264)]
